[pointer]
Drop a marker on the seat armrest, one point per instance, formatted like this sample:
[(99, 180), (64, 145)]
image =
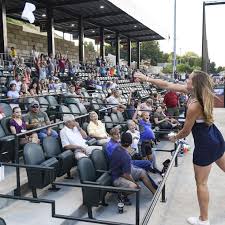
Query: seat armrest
[(103, 171), (92, 141), (7, 138), (91, 182)]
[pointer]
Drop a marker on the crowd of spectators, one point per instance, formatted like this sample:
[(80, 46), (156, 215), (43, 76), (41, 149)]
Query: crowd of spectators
[(130, 153)]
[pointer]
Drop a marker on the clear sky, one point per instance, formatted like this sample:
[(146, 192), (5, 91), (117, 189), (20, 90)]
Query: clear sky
[(158, 15)]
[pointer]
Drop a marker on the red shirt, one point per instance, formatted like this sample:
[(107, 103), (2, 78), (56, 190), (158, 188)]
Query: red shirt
[(171, 99)]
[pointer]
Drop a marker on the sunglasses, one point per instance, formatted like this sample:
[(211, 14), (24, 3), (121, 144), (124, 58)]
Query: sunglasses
[(35, 106)]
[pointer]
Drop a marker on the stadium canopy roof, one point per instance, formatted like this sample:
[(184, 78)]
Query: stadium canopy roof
[(95, 13)]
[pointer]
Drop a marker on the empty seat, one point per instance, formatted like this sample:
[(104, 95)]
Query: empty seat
[(7, 146), (82, 108), (43, 104), (100, 161), (87, 174), (34, 155), (6, 109), (74, 109), (66, 159)]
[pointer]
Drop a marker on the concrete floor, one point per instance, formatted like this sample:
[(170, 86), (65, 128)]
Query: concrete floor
[(180, 191)]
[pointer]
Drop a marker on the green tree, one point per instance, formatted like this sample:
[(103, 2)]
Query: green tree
[(150, 50), (168, 69), (212, 67), (89, 46)]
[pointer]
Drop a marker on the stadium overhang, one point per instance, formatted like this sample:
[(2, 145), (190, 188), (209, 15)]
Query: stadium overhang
[(96, 19)]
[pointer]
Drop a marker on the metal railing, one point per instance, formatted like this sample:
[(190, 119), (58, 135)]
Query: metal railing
[(161, 189)]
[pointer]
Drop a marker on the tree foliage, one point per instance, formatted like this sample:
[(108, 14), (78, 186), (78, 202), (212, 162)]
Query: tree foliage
[(89, 46)]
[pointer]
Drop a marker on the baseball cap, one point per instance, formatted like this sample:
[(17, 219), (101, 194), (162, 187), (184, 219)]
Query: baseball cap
[(126, 139), (34, 103), (68, 118)]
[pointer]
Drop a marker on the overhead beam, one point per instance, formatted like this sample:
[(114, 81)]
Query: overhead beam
[(144, 35), (123, 24), (104, 15), (135, 30), (69, 2), (214, 3)]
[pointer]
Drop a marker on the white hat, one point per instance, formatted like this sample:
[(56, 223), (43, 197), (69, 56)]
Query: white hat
[(68, 118)]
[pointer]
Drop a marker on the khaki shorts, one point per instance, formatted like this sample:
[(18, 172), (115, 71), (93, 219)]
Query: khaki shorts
[(136, 173)]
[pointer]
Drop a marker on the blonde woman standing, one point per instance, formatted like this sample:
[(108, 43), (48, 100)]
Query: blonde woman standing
[(209, 142)]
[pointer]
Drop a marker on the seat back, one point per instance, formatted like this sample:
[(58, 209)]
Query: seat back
[(52, 101), (84, 126), (114, 118), (51, 147), (63, 109), (43, 104), (6, 109), (2, 221), (82, 108), (120, 117), (33, 154), (99, 160), (108, 123), (74, 109), (86, 170), (5, 125), (2, 132), (71, 100)]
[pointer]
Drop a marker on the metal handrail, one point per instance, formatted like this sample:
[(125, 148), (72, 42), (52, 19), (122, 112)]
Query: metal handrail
[(157, 194)]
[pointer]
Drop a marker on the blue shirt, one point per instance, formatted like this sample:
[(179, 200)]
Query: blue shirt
[(146, 132), (120, 162), (110, 147)]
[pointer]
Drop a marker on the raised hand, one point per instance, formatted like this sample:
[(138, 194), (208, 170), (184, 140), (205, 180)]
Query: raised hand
[(139, 77)]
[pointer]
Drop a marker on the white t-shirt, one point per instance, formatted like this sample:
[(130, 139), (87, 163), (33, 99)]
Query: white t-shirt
[(112, 100), (135, 139), (72, 137)]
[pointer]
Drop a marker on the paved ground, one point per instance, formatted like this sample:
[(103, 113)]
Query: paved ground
[(180, 191)]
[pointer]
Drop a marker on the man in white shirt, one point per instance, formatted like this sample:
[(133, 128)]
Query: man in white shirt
[(114, 100), (74, 138)]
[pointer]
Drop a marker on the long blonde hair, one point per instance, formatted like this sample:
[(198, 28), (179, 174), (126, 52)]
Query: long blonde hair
[(203, 92)]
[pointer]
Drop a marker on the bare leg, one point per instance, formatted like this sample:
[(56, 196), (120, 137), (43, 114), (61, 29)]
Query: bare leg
[(221, 162), (201, 177), (147, 183)]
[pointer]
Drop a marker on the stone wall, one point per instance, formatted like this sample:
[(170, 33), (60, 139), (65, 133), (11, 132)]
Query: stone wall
[(23, 42)]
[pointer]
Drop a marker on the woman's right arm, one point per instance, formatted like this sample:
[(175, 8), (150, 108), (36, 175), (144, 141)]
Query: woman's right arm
[(161, 83), (13, 129)]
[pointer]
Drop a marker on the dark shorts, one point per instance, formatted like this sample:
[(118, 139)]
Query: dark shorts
[(146, 148)]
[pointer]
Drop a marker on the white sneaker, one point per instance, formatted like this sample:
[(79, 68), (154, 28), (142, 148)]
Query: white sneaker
[(197, 221)]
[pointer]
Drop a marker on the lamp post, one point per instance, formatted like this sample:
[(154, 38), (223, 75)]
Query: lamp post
[(174, 37)]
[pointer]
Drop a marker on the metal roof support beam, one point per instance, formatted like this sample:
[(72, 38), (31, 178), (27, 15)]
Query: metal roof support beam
[(123, 24), (3, 28), (129, 51), (136, 30), (50, 31), (145, 35), (81, 39), (138, 55), (69, 2), (104, 15), (102, 43), (117, 48)]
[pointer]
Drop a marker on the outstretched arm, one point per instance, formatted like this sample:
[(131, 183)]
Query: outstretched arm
[(161, 83)]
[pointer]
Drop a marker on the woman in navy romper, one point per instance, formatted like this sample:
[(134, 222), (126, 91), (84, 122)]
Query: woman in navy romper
[(209, 142)]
